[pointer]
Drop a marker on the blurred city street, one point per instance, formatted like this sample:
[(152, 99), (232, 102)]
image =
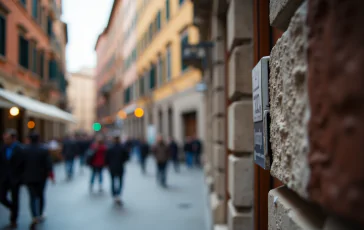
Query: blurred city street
[(70, 205)]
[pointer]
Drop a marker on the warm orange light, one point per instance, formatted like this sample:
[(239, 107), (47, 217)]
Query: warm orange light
[(139, 112), (31, 124), (14, 111), (122, 114)]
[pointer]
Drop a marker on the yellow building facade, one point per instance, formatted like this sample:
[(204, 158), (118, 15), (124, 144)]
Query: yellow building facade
[(165, 88)]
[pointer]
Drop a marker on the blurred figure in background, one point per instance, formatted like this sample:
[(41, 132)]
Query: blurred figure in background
[(116, 157), (38, 167), (197, 150), (83, 144), (173, 149), (144, 152), (189, 152), (69, 151), (162, 156), (12, 161), (97, 161)]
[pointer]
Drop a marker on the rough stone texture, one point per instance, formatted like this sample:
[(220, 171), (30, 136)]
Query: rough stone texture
[(218, 81), (281, 12), (241, 180), (218, 106), (336, 128), (218, 126), (289, 106), (219, 156), (238, 220), (239, 22), (287, 211), (220, 184), (240, 127), (218, 211), (240, 68)]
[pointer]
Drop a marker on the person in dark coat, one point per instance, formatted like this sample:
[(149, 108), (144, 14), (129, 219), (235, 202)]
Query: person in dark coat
[(197, 151), (144, 152), (173, 149), (37, 168), (84, 144), (11, 172), (116, 157), (69, 151), (162, 155), (188, 152)]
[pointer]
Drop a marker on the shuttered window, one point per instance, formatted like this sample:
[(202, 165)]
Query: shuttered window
[(2, 35), (23, 52)]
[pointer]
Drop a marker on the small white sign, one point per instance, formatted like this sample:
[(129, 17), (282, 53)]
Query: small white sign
[(257, 93)]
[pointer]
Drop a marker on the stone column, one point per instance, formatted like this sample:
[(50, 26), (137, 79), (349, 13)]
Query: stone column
[(240, 121)]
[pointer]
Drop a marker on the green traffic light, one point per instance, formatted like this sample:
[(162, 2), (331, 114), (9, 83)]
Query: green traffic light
[(96, 127)]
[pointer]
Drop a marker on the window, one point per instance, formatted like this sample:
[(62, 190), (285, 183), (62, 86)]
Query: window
[(41, 64), (167, 10), (127, 95), (35, 8), (23, 52), (159, 20), (168, 63), (184, 41), (152, 77), (34, 58), (181, 2), (49, 26), (52, 69), (141, 86), (159, 71), (2, 35)]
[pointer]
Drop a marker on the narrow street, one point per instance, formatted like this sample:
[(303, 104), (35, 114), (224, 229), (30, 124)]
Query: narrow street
[(70, 205)]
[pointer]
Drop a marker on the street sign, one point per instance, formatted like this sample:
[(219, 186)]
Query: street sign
[(261, 116)]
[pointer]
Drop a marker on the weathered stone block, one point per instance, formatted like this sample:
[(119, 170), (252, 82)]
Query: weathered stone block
[(240, 126), (240, 71), (220, 183), (289, 105), (218, 210), (218, 125), (238, 220), (219, 155), (241, 178), (281, 12), (218, 106), (287, 211), (218, 77), (239, 22)]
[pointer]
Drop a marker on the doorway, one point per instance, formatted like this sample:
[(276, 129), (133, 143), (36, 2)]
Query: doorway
[(189, 123)]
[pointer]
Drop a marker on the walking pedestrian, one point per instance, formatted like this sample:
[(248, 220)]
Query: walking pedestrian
[(116, 157), (188, 152), (197, 151), (11, 171), (97, 161), (69, 151), (162, 156), (144, 152), (37, 168), (173, 149), (84, 144)]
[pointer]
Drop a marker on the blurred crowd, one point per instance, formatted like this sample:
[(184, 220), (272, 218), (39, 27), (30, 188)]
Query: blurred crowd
[(31, 163)]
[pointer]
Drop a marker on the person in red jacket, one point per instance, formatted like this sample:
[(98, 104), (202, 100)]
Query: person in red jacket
[(98, 161)]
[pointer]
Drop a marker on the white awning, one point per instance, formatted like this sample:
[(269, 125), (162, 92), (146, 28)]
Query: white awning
[(130, 108), (33, 107)]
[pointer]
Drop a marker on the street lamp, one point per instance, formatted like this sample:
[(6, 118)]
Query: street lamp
[(138, 112), (14, 111), (31, 124)]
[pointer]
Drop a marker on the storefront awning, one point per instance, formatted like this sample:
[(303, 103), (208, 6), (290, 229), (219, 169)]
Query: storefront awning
[(33, 107)]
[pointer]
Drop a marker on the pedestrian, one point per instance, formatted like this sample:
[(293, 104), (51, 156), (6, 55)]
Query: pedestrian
[(37, 168), (69, 151), (197, 151), (188, 152), (162, 156), (97, 161), (11, 170), (116, 157), (144, 152), (173, 149), (84, 144)]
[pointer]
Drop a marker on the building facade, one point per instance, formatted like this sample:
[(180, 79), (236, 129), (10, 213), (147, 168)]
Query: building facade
[(309, 180), (32, 66), (82, 104), (164, 87), (109, 68)]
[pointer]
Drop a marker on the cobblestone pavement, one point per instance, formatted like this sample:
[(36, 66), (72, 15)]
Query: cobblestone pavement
[(71, 206)]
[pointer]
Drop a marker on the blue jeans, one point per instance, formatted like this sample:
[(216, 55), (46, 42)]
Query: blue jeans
[(37, 198), (69, 168), (98, 171), (189, 159), (162, 173), (116, 184)]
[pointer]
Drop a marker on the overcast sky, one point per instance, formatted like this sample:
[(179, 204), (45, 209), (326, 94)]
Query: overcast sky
[(86, 19)]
